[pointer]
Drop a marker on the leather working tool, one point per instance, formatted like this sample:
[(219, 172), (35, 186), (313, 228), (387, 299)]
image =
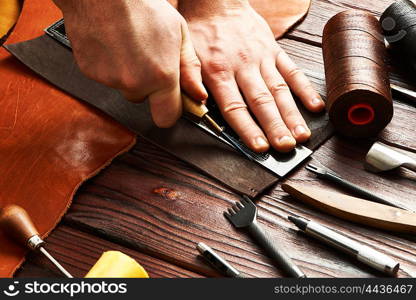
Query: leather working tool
[(362, 253), (16, 223), (381, 158), (279, 164), (219, 263), (354, 209), (334, 177), (244, 215)]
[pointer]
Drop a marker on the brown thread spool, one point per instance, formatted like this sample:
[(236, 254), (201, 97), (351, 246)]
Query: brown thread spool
[(359, 100)]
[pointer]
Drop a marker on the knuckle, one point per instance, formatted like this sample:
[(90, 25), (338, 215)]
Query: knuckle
[(244, 57), (193, 62), (219, 69), (262, 98), (278, 127), (165, 76), (292, 114), (279, 87), (234, 106), (293, 72)]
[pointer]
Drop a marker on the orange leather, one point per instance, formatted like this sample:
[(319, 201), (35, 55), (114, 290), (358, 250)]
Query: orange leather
[(49, 142), (281, 15), (9, 12)]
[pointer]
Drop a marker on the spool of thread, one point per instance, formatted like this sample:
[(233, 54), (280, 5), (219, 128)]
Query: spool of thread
[(399, 26), (359, 100)]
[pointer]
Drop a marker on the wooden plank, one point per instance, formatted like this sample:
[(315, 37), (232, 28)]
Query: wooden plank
[(311, 28), (151, 202), (78, 251)]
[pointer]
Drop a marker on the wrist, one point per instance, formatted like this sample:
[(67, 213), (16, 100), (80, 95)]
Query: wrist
[(207, 8)]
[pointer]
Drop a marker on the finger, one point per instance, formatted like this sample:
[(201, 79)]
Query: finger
[(190, 67), (285, 102), (262, 104), (166, 106), (298, 82), (234, 110)]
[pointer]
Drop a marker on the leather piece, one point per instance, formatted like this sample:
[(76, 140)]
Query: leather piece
[(49, 142), (281, 15), (9, 12)]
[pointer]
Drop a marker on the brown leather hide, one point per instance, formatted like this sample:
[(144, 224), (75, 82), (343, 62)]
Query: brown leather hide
[(49, 142)]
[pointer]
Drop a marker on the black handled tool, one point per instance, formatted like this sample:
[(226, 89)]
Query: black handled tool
[(333, 177), (244, 215)]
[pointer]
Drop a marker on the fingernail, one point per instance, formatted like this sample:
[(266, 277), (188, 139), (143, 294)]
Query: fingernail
[(261, 142), (287, 140), (300, 130), (317, 101)]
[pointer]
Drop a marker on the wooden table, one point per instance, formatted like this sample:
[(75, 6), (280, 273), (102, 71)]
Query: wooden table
[(156, 208)]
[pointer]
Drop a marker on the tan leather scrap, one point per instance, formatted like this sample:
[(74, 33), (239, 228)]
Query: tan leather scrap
[(49, 142)]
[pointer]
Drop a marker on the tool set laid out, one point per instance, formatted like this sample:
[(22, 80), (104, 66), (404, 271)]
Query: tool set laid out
[(359, 105)]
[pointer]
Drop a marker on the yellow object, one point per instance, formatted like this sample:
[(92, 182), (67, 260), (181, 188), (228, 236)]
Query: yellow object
[(9, 12), (115, 264)]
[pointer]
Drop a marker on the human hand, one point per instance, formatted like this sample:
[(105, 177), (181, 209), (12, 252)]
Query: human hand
[(242, 65), (140, 47)]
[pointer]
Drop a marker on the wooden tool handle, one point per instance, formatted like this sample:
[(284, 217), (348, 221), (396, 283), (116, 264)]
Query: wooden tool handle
[(354, 209), (16, 223), (193, 109)]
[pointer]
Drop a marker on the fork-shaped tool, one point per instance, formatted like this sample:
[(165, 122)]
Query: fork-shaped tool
[(244, 215)]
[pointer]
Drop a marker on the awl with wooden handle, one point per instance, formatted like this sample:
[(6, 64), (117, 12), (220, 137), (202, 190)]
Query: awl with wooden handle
[(354, 209), (16, 223)]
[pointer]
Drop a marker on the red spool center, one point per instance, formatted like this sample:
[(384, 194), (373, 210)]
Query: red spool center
[(361, 114)]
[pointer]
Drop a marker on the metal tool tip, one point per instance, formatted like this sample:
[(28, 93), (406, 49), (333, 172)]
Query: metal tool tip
[(300, 222), (202, 247)]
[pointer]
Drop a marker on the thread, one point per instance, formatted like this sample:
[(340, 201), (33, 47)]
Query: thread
[(359, 102), (399, 26)]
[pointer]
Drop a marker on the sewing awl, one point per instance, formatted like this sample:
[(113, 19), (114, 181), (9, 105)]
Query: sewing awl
[(16, 223)]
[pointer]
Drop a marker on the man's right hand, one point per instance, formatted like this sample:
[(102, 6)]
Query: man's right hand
[(140, 47)]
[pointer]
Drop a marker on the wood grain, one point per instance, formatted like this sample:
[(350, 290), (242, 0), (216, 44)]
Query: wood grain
[(310, 30), (151, 202), (78, 251)]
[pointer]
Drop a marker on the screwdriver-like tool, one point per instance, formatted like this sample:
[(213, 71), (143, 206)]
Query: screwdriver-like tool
[(16, 223), (197, 111)]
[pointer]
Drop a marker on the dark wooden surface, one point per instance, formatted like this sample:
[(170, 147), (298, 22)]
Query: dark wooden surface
[(155, 208)]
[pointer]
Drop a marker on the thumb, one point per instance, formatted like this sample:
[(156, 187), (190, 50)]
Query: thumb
[(190, 68)]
